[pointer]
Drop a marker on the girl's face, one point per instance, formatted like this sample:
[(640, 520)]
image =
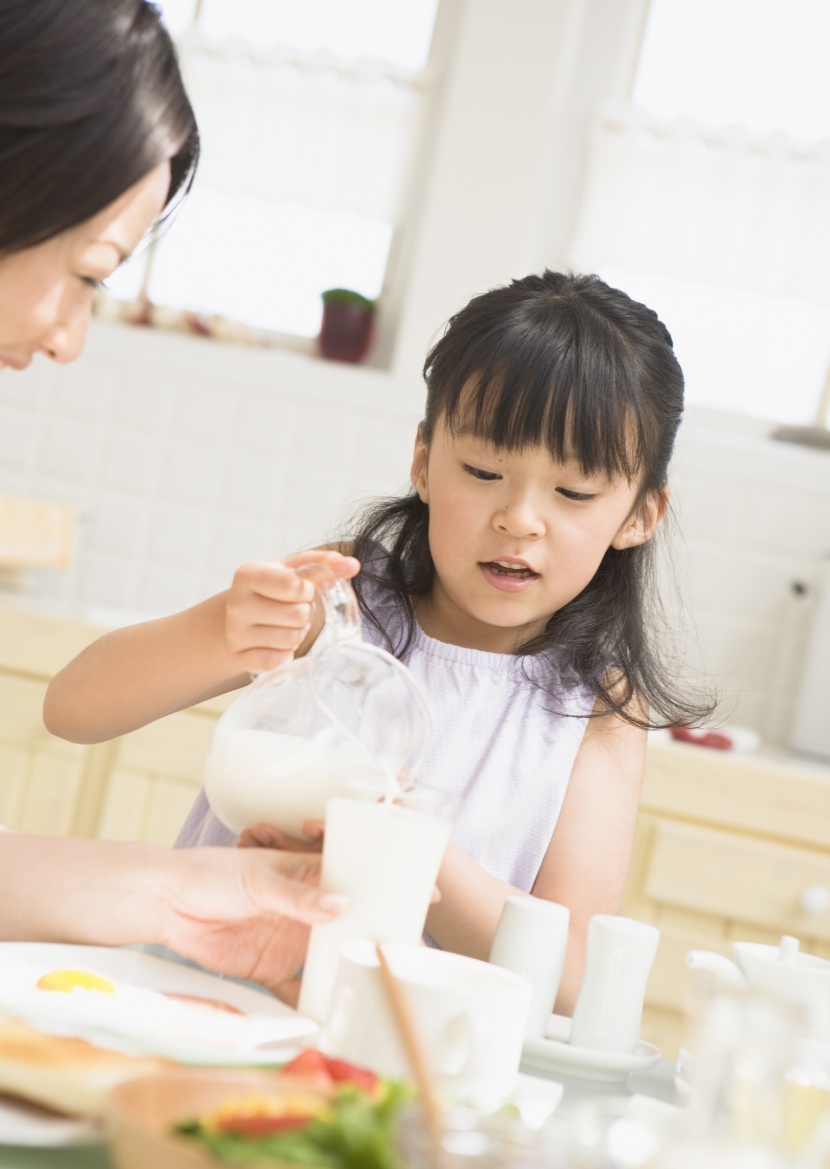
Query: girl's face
[(515, 536), (46, 291)]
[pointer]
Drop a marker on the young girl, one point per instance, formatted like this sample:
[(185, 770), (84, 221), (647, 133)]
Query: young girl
[(513, 580)]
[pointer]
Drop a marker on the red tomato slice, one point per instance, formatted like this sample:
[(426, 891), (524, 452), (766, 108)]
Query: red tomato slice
[(310, 1064), (343, 1072), (261, 1126)]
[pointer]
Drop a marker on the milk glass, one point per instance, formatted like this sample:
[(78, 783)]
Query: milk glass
[(385, 854), (346, 711)]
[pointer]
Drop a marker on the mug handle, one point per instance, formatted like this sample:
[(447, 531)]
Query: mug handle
[(456, 1046)]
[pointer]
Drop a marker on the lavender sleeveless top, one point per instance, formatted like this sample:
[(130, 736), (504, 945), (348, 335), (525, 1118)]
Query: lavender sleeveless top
[(502, 743)]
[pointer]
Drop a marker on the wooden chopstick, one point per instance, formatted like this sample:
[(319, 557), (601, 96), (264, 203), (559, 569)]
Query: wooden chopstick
[(414, 1052)]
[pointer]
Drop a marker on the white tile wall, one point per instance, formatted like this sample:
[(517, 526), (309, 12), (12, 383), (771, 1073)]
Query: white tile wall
[(185, 457)]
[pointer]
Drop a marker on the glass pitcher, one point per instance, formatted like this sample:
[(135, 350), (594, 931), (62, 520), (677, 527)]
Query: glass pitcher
[(347, 711)]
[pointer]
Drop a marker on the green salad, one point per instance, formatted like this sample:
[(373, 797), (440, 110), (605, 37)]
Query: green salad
[(351, 1125)]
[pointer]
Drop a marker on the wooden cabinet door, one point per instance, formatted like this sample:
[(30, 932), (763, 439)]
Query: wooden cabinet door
[(41, 777), (154, 778)]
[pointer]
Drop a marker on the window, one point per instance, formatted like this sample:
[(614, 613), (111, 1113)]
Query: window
[(309, 115), (707, 196)]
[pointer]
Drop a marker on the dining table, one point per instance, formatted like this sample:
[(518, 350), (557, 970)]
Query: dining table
[(657, 1083), (651, 1086)]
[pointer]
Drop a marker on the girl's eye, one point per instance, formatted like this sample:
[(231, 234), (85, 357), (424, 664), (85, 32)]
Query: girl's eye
[(579, 496), (477, 473), (92, 282)]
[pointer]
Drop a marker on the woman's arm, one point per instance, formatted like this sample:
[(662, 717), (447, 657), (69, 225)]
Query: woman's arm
[(244, 912), (132, 676), (585, 865)]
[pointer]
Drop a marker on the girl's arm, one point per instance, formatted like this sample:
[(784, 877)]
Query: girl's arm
[(132, 676), (585, 865), (244, 912)]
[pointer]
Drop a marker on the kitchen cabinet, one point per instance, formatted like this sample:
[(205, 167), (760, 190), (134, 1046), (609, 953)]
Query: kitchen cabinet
[(728, 847), (137, 787)]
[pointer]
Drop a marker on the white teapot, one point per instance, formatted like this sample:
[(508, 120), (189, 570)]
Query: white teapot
[(782, 970)]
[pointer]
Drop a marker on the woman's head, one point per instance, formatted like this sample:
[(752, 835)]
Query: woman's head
[(91, 100), (92, 113), (565, 362)]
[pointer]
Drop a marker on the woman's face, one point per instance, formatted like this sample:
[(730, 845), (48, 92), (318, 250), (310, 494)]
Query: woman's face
[(46, 291)]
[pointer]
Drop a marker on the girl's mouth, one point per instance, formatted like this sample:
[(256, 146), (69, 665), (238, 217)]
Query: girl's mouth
[(508, 577)]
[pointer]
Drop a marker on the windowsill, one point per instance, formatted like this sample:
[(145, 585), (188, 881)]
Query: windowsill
[(254, 367)]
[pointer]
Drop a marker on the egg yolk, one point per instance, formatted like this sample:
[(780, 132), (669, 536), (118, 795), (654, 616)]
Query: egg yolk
[(69, 980)]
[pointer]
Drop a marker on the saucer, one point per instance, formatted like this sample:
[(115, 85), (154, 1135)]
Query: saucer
[(555, 1054)]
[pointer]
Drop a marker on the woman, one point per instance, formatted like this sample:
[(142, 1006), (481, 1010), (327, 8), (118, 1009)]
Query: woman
[(97, 138)]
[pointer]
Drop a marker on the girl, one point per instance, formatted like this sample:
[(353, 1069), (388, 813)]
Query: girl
[(514, 581)]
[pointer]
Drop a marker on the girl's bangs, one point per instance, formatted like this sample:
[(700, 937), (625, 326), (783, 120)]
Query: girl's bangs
[(578, 409)]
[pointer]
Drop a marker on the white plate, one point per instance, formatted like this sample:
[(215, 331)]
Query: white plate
[(139, 1020), (25, 1124), (555, 1054)]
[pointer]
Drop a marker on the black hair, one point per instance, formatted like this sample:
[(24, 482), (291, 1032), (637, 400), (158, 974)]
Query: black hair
[(568, 362), (91, 101)]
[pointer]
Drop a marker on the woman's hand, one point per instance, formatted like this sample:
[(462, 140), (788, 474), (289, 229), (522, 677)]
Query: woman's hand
[(247, 912), (269, 609)]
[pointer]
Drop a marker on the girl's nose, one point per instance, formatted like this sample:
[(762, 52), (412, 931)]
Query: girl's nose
[(521, 518), (65, 340)]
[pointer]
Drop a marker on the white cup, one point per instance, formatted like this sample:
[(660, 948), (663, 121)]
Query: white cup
[(469, 1016), (609, 1008), (386, 857), (531, 939)]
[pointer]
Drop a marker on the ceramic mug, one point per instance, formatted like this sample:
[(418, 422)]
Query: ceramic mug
[(470, 1017), (531, 939), (618, 960)]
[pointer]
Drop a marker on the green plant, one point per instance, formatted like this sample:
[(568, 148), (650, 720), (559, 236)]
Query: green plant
[(348, 296)]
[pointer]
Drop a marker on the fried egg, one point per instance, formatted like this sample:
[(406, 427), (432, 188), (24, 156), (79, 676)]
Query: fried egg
[(68, 981)]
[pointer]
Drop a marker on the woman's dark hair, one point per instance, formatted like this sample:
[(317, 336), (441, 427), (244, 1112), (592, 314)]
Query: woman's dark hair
[(570, 363), (91, 100)]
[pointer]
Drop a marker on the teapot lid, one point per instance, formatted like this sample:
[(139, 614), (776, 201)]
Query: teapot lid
[(786, 955)]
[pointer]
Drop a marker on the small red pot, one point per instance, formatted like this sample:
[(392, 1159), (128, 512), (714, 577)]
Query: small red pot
[(346, 332)]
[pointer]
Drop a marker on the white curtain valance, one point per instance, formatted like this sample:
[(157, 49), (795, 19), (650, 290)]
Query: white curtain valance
[(730, 209), (312, 131)]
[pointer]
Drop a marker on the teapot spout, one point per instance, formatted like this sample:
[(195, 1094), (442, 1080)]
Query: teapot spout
[(725, 971)]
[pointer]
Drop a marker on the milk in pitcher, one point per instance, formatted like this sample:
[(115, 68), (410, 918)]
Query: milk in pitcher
[(254, 777)]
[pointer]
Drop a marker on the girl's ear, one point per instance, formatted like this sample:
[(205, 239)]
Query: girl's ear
[(418, 471), (640, 526)]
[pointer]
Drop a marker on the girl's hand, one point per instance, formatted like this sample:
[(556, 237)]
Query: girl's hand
[(269, 609), (268, 836)]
